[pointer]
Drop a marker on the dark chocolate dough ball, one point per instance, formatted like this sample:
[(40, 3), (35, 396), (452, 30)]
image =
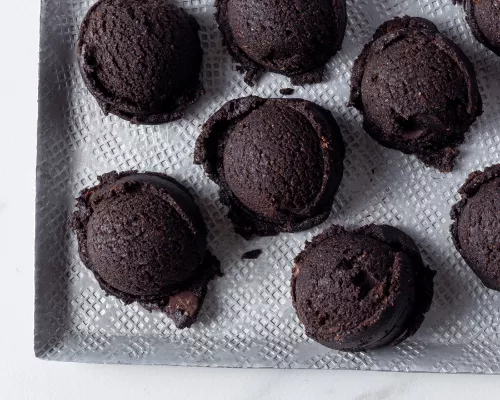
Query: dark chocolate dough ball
[(292, 37), (278, 163), (363, 289), (141, 59), (277, 142), (476, 226), (144, 239), (417, 91), (483, 17)]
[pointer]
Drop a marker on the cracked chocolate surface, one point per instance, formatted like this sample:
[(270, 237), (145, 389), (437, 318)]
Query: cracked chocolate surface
[(141, 59), (361, 289), (144, 238), (417, 91), (294, 38), (278, 163), (476, 227), (483, 17)]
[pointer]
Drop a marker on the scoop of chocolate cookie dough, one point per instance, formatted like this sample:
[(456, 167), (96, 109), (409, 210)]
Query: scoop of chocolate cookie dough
[(476, 227), (144, 238), (361, 289), (294, 38), (483, 18), (278, 163), (417, 91), (141, 59)]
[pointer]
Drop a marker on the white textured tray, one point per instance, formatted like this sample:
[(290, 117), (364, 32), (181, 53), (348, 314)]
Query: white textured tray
[(248, 319)]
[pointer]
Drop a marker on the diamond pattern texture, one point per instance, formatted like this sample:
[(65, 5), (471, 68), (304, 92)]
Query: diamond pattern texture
[(248, 319)]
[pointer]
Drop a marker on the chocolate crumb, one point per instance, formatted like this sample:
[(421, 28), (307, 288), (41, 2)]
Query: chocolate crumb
[(287, 91), (252, 254)]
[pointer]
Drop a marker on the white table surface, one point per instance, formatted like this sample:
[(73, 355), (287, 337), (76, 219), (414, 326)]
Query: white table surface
[(22, 376)]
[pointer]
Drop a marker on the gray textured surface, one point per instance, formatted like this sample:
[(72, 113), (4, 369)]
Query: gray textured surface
[(248, 319)]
